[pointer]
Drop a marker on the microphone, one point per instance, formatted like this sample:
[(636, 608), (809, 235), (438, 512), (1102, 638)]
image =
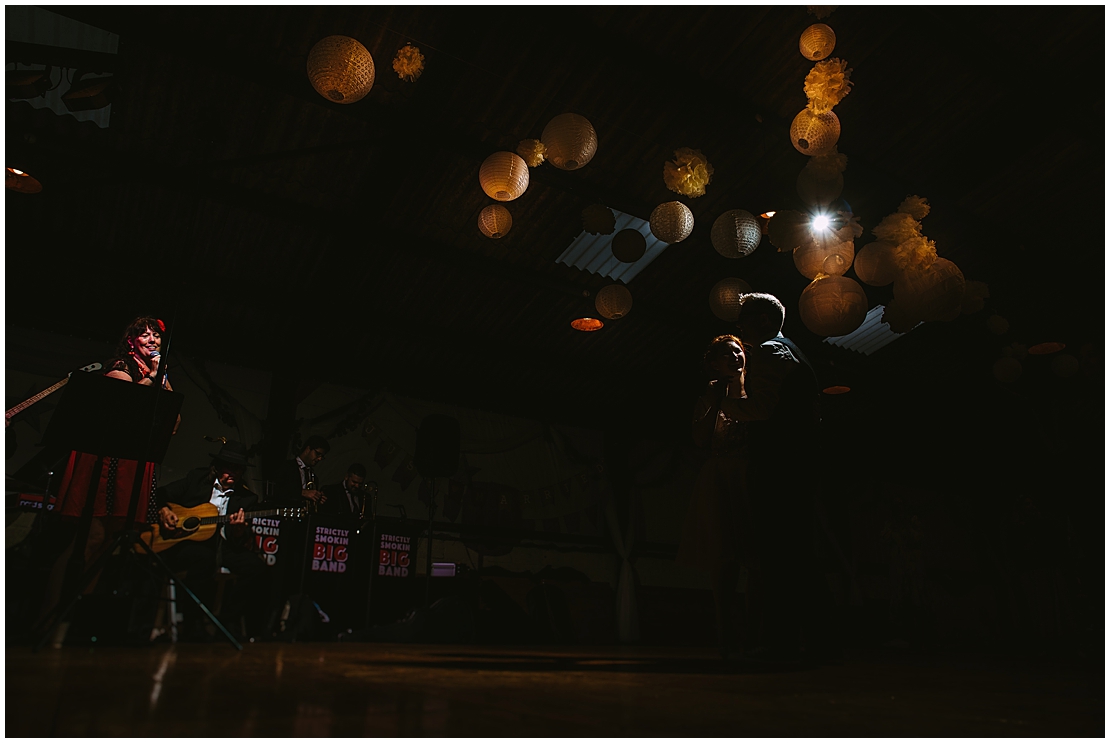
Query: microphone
[(155, 354)]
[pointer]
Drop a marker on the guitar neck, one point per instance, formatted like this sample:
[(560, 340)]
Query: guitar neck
[(250, 514), (31, 401)]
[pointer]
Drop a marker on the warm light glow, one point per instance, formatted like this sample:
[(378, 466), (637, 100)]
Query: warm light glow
[(17, 172), (821, 222), (1042, 349), (587, 324), (836, 390), (767, 215)]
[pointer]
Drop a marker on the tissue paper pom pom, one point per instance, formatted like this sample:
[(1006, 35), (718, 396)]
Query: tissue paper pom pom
[(897, 228), (532, 151), (916, 253), (409, 63), (827, 84), (916, 206), (689, 173)]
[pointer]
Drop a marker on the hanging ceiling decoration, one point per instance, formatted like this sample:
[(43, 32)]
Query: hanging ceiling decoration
[(340, 69), (833, 305), (672, 222), (409, 63), (736, 233), (816, 129), (875, 264), (817, 42), (504, 176), (787, 229), (532, 152), (724, 298), (822, 179), (629, 246), (598, 219), (587, 324), (20, 182), (494, 221), (570, 140), (614, 301), (830, 252), (688, 174)]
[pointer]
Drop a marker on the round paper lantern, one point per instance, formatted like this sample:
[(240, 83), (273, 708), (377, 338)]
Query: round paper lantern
[(587, 324), (504, 176), (570, 140), (629, 245), (495, 221), (833, 306), (1065, 365), (817, 191), (936, 293), (672, 222), (614, 301), (998, 324), (875, 264), (736, 233), (788, 229), (814, 134), (830, 256), (1007, 369), (340, 69), (724, 298), (817, 42)]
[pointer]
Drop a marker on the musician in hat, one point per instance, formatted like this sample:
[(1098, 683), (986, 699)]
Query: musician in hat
[(232, 546)]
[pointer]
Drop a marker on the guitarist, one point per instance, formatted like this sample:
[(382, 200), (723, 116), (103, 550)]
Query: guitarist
[(231, 547)]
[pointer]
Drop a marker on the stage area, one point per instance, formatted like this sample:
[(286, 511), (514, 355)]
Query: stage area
[(375, 690)]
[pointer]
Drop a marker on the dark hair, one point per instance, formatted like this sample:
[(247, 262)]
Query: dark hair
[(715, 349), (357, 470), (763, 304), (316, 442), (137, 327)]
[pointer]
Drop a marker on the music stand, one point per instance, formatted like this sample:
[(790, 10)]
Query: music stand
[(112, 419)]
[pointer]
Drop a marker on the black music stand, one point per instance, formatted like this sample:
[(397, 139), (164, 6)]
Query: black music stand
[(113, 419)]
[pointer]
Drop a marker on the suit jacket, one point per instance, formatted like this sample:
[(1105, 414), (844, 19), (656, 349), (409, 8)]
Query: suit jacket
[(196, 488), (337, 503), (287, 485)]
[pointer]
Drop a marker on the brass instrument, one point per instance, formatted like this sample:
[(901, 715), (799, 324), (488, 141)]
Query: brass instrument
[(311, 485)]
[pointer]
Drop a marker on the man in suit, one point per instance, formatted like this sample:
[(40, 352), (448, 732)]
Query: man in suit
[(346, 498), (232, 547), (297, 484)]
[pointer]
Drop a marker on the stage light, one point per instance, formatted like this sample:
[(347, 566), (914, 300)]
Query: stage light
[(821, 222), (17, 180)]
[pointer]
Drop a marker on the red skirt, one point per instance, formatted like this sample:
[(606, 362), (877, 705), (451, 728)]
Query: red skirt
[(113, 492)]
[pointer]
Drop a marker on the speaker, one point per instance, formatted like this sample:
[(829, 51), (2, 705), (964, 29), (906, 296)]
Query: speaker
[(437, 446)]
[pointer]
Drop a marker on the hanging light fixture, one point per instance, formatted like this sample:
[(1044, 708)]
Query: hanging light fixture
[(672, 222), (724, 298), (935, 293), (570, 140), (814, 134), (629, 245), (614, 301), (504, 176), (340, 69), (587, 324), (736, 233), (817, 42), (494, 221), (26, 84), (832, 305), (875, 264), (21, 182)]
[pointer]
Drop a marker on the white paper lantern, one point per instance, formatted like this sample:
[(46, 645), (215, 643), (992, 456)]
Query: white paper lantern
[(614, 301), (629, 245), (829, 256), (724, 298), (736, 233), (570, 140), (672, 222), (875, 264), (833, 306), (495, 221), (814, 134), (817, 42), (936, 293), (340, 69), (504, 176)]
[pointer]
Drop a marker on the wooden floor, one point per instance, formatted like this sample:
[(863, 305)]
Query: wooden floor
[(357, 689)]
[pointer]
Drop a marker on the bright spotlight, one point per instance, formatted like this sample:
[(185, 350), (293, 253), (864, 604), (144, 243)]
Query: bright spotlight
[(821, 222)]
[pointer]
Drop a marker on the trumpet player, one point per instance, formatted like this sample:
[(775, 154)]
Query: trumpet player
[(298, 484)]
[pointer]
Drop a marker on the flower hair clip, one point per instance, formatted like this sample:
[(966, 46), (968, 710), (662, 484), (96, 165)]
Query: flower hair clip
[(161, 325)]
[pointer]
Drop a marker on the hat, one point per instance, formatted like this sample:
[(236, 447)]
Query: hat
[(231, 452)]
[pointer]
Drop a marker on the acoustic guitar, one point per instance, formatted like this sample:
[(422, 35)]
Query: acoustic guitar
[(46, 392), (200, 523)]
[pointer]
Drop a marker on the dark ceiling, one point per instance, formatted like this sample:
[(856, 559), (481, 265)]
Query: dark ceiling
[(339, 243)]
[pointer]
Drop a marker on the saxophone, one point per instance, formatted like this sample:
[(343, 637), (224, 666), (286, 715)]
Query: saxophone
[(311, 485)]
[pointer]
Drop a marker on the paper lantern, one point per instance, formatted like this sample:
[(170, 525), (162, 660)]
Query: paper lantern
[(598, 219), (340, 69), (936, 293), (829, 256), (587, 324), (1007, 369), (833, 306), (788, 229), (736, 233), (570, 140), (495, 221), (724, 298), (998, 324), (16, 180), (504, 176), (875, 264), (814, 134), (1043, 349), (816, 190), (614, 301), (629, 246), (672, 222), (817, 42), (1065, 365)]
